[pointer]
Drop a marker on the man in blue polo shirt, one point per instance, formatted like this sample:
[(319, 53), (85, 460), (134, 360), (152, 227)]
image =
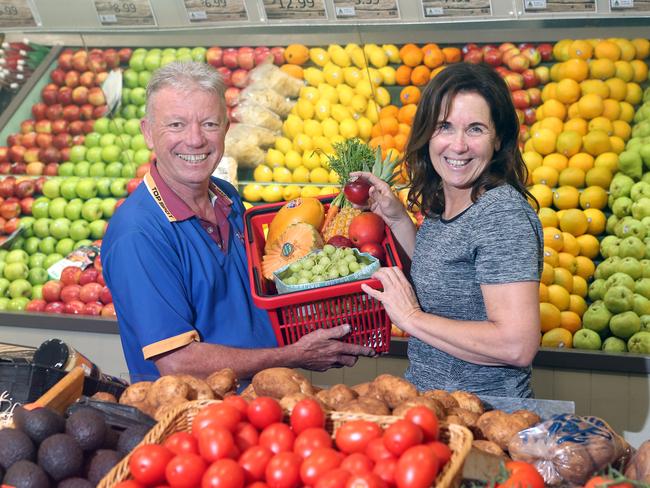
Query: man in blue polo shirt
[(174, 256)]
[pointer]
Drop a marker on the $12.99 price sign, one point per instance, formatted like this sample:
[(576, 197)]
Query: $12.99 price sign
[(16, 13), (116, 13), (295, 9)]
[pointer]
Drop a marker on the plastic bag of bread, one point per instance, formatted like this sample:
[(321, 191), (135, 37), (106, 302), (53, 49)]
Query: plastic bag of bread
[(276, 79), (261, 94), (639, 466), (569, 448), (244, 143), (253, 114)]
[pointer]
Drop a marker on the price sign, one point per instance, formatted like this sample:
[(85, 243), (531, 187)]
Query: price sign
[(16, 13), (566, 6), (295, 9), (116, 13), (630, 5), (215, 10), (456, 8), (366, 9)]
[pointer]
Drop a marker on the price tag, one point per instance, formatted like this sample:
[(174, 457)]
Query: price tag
[(366, 9), (215, 10), (630, 5), (566, 6), (456, 8), (16, 13), (116, 13), (295, 9)]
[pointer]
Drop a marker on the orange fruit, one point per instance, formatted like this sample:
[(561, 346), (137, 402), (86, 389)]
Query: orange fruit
[(400, 141), (553, 238), (549, 91), (589, 246), (554, 108), (581, 160), (566, 261), (404, 128), (549, 315), (572, 177), (606, 49), (410, 94), (580, 286), (574, 221), (406, 113), (596, 142), (600, 176), (577, 304), (544, 140), (451, 54), (585, 267), (624, 70), (420, 75), (569, 322), (590, 106), (608, 160), (568, 90), (627, 48), (553, 123), (388, 125), (543, 293), (293, 70), (611, 109), (545, 175), (602, 69), (634, 93), (411, 55), (566, 197), (562, 277), (617, 88), (433, 56), (622, 129), (597, 87), (642, 47), (296, 54), (576, 124), (640, 71), (435, 71), (551, 256), (593, 197), (601, 123), (557, 337), (569, 241), (548, 217), (568, 143), (558, 295), (580, 49), (547, 274), (403, 75), (596, 220), (388, 111)]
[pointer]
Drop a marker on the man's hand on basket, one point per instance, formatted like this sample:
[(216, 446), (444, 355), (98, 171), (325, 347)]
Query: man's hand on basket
[(320, 350)]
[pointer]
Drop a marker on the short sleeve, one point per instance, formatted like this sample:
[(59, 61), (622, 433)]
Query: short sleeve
[(507, 246), (148, 291)]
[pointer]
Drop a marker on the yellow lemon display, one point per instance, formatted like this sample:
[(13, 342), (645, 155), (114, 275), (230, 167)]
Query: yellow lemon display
[(300, 175), (282, 175), (252, 192), (263, 174), (274, 158)]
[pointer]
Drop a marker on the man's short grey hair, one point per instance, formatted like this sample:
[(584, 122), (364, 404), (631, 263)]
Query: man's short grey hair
[(187, 76)]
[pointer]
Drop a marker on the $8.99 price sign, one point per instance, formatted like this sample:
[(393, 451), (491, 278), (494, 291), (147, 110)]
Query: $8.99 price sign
[(124, 13), (295, 9), (16, 13)]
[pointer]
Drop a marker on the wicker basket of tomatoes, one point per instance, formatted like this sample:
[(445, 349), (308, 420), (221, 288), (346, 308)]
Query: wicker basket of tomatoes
[(235, 444)]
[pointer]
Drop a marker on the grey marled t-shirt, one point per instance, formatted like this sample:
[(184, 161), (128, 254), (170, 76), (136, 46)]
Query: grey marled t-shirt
[(496, 240)]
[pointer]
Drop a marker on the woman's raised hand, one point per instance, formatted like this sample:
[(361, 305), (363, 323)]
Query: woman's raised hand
[(382, 200)]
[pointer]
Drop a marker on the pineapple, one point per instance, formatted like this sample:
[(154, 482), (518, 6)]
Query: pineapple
[(353, 155)]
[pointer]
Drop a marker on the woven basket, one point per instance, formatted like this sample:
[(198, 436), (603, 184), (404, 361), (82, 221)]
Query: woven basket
[(180, 419)]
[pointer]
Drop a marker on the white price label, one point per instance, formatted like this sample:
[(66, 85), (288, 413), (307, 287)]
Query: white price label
[(366, 9), (124, 13), (621, 3), (345, 12), (573, 6), (16, 13), (295, 9), (630, 5), (535, 4), (215, 10), (456, 8)]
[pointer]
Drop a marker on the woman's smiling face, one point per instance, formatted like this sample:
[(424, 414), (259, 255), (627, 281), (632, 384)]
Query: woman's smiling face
[(463, 144)]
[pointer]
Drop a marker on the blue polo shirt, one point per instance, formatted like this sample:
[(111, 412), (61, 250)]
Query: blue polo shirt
[(171, 281)]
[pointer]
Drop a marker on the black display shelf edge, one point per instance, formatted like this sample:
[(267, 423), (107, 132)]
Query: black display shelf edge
[(569, 359), (98, 325)]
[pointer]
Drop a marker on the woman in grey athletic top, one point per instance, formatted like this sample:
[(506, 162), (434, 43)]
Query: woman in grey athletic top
[(472, 305)]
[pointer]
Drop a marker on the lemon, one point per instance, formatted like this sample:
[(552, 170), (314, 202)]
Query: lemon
[(348, 128), (333, 75), (292, 159), (364, 87), (310, 93), (337, 139), (246, 204), (309, 191), (252, 192), (272, 193), (263, 174), (350, 46), (365, 127), (340, 112), (311, 160), (282, 175), (382, 96), (322, 109), (302, 142), (319, 56), (325, 161), (290, 192), (388, 74), (352, 76), (313, 76), (300, 175), (328, 92), (323, 144), (319, 175), (283, 144), (304, 109), (274, 158), (359, 103), (372, 112), (313, 128), (329, 190), (338, 56), (358, 58), (392, 52), (375, 76), (378, 58), (334, 177), (292, 126), (330, 128)]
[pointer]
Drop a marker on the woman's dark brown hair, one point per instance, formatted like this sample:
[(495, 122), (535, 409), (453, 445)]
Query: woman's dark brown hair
[(507, 165)]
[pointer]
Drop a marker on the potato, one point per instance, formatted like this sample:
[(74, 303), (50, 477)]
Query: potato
[(103, 396), (167, 407), (488, 446), (485, 420), (198, 389), (362, 389), (222, 381), (392, 389), (431, 403), (248, 393), (639, 466), (367, 405), (336, 396), (501, 429), (531, 418), (443, 397), (468, 401), (469, 418), (136, 393), (455, 419), (289, 401), (279, 382), (165, 389), (573, 463)]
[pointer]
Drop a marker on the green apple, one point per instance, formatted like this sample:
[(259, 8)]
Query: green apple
[(151, 62), (101, 126), (37, 291), (3, 254), (66, 169), (132, 127), (639, 343), (37, 276), (97, 229), (69, 188), (15, 271), (31, 245), (26, 223), (4, 286), (130, 111), (116, 125), (41, 227), (108, 207), (91, 210), (111, 153), (113, 170), (586, 339), (123, 141), (82, 243), (97, 169), (65, 246), (144, 77), (597, 289), (82, 169), (91, 140), (619, 299), (104, 187), (17, 256), (641, 305), (168, 51), (118, 187), (94, 154), (78, 152), (642, 287), (138, 96), (128, 155), (20, 288), (138, 142), (142, 111), (130, 80), (17, 304), (4, 303), (614, 344), (631, 267), (36, 260), (17, 243), (128, 170), (632, 247), (47, 245), (625, 324), (166, 59), (73, 209), (596, 317), (141, 156), (57, 208), (60, 228), (86, 188), (79, 229), (51, 188), (136, 63), (51, 259), (107, 139)]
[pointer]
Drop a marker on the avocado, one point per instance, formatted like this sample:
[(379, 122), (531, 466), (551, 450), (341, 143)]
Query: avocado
[(26, 474), (130, 438), (39, 423), (75, 483), (88, 427), (101, 463), (15, 446), (60, 456), (110, 441)]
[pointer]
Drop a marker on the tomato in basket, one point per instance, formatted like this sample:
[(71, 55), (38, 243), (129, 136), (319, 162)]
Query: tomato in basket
[(305, 414), (520, 475)]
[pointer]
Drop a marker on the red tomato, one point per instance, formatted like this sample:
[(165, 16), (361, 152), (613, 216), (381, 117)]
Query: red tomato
[(365, 480), (181, 443), (128, 484), (216, 414), (335, 478), (147, 463), (416, 468), (442, 452), (426, 419), (305, 414), (401, 435), (605, 482), (185, 470), (358, 463), (254, 461), (224, 473), (215, 443), (264, 411), (385, 469), (321, 461), (257, 484), (238, 402), (354, 436), (376, 450), (245, 436), (522, 475), (277, 438), (309, 440), (283, 470)]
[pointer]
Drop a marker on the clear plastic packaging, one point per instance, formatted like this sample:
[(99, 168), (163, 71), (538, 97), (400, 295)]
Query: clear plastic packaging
[(260, 94), (227, 170), (253, 114), (639, 466), (276, 79), (244, 143), (568, 448)]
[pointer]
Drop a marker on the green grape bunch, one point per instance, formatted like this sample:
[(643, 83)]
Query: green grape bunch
[(326, 264)]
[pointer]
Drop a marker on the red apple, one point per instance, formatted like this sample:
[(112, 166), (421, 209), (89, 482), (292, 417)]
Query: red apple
[(213, 56), (226, 75), (492, 57), (543, 74), (470, 47), (52, 290), (38, 110), (24, 188), (87, 79), (72, 79), (5, 168), (142, 170), (54, 307), (9, 210), (509, 54), (50, 155), (26, 204), (524, 133), (521, 99), (17, 153), (357, 191), (514, 81), (518, 63), (76, 127), (232, 96), (58, 76), (27, 126), (36, 305), (71, 112), (263, 56), (340, 241), (16, 139), (246, 57), (97, 262), (530, 117), (112, 58), (80, 60), (108, 310), (65, 60), (29, 140), (88, 125), (10, 225), (51, 169), (545, 51), (59, 126), (90, 292), (62, 140), (99, 111), (125, 54), (133, 184), (73, 307), (39, 185), (532, 54), (366, 227), (535, 95), (70, 275), (530, 78), (229, 58), (105, 296), (88, 275), (474, 56), (70, 293), (96, 96), (100, 279), (53, 112), (239, 78), (278, 55), (35, 168), (4, 154), (92, 308), (505, 46), (49, 94), (65, 154), (18, 168), (44, 139), (80, 95), (86, 111), (374, 249), (64, 96)]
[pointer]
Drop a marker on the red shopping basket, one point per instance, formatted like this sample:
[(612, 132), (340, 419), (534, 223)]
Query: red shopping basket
[(296, 314)]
